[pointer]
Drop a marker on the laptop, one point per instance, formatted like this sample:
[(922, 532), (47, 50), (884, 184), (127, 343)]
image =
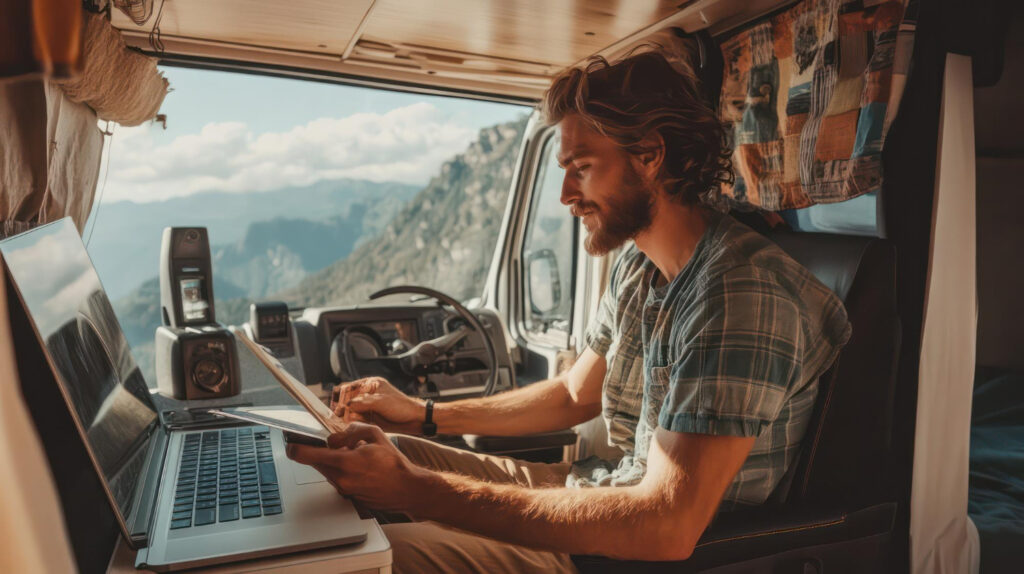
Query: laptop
[(182, 498)]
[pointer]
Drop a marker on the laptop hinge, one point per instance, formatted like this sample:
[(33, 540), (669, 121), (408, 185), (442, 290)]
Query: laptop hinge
[(144, 509)]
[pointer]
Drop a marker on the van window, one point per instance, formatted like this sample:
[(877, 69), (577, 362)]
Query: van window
[(857, 216), (312, 193), (549, 251)]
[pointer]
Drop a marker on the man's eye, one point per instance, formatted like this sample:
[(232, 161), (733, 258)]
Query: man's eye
[(582, 170)]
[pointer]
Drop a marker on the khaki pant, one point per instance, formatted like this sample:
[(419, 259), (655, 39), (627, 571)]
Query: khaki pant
[(430, 547)]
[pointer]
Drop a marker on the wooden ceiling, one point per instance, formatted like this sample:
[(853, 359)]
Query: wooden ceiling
[(502, 47), (555, 32)]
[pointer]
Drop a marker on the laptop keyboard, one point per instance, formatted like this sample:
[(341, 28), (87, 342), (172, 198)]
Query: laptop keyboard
[(225, 475)]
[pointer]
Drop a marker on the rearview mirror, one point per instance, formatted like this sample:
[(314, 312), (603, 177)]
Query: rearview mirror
[(545, 288)]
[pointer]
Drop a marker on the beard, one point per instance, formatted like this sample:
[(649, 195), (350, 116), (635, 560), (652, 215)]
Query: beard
[(626, 214)]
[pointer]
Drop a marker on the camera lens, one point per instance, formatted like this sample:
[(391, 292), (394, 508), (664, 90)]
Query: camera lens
[(191, 235), (208, 373)]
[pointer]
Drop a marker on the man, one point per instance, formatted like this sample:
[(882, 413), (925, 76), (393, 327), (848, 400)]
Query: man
[(703, 360)]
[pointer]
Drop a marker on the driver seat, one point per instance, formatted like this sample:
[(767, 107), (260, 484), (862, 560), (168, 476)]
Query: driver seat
[(835, 508)]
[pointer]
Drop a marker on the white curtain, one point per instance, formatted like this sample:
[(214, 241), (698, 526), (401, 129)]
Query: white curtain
[(942, 537), (50, 162), (32, 534)]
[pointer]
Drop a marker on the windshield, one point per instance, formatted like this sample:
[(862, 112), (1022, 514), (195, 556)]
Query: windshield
[(313, 194)]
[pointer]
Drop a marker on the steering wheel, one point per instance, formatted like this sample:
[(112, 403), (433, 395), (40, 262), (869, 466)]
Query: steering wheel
[(427, 356)]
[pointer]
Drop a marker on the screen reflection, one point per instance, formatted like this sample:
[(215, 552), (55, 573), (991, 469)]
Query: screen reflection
[(83, 341)]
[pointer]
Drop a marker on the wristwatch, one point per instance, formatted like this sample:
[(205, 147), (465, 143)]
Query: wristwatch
[(429, 427)]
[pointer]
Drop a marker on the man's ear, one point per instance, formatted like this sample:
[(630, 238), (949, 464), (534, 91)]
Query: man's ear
[(648, 162)]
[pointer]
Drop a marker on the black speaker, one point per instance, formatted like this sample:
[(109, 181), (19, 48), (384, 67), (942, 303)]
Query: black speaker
[(197, 362)]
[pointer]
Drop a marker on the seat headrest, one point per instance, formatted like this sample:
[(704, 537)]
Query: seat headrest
[(833, 259)]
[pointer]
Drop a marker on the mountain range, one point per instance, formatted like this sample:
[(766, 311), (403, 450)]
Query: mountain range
[(124, 237), (443, 238)]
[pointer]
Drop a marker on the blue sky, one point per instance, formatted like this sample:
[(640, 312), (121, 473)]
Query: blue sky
[(279, 104), (246, 133)]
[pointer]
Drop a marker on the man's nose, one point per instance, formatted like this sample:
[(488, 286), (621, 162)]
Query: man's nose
[(570, 193)]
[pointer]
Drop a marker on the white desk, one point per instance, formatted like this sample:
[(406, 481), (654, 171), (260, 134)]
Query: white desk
[(372, 556)]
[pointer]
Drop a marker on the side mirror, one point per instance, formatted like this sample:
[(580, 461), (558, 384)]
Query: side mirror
[(545, 288)]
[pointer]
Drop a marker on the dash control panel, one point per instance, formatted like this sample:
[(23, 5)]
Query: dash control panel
[(272, 327)]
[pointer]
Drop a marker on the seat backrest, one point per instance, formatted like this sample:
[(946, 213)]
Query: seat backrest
[(846, 450)]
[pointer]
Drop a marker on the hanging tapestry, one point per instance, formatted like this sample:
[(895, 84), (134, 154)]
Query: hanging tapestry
[(807, 98)]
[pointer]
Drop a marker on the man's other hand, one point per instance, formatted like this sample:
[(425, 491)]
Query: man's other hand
[(374, 400), (362, 462)]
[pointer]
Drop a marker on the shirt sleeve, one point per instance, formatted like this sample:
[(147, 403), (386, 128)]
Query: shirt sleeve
[(602, 328), (735, 366)]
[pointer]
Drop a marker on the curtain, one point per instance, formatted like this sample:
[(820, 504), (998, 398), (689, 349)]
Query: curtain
[(51, 145), (808, 96), (50, 160), (41, 36), (942, 538), (121, 85)]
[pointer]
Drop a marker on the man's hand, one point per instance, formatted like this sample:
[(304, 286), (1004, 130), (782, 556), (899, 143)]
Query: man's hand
[(363, 463), (376, 401), (559, 403)]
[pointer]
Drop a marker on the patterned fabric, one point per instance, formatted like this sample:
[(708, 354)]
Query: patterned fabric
[(808, 97), (733, 345)]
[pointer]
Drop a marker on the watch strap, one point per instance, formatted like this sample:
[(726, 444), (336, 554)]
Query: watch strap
[(429, 427)]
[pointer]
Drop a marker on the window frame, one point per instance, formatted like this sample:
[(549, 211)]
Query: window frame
[(551, 337), (338, 80)]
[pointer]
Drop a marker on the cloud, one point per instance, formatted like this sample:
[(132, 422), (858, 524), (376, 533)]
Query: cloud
[(53, 272), (405, 145)]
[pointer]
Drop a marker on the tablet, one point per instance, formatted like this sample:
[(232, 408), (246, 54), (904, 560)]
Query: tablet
[(311, 418), (298, 425)]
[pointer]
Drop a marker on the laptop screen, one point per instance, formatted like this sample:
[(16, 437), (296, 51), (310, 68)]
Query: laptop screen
[(87, 351)]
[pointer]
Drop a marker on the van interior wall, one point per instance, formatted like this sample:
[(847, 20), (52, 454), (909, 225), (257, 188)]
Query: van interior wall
[(1000, 195)]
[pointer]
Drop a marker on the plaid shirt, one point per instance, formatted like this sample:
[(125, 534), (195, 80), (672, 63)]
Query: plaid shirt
[(733, 345)]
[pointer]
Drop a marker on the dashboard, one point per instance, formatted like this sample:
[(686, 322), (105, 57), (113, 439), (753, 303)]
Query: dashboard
[(338, 344)]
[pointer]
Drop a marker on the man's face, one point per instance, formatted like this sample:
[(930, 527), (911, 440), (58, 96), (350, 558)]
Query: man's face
[(602, 187)]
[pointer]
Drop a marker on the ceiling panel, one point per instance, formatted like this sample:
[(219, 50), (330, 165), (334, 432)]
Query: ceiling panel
[(556, 32), (324, 26)]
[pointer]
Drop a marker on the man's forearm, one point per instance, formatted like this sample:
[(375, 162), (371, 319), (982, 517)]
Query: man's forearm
[(540, 407), (625, 522)]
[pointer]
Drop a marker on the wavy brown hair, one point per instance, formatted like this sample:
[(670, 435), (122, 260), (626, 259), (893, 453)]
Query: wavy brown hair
[(637, 96)]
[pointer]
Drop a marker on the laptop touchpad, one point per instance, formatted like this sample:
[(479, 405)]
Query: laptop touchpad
[(305, 474)]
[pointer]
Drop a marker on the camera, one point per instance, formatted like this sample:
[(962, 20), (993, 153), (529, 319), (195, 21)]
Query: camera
[(197, 362), (196, 357)]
